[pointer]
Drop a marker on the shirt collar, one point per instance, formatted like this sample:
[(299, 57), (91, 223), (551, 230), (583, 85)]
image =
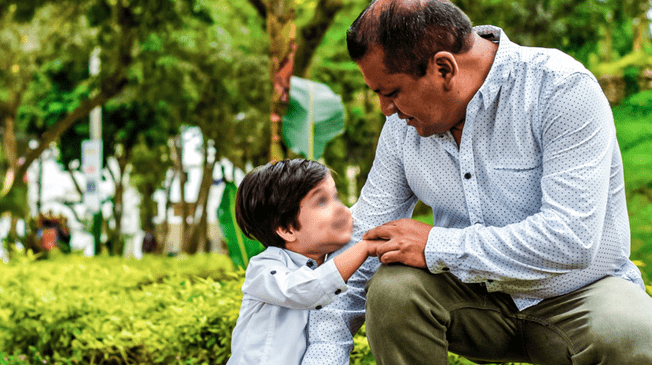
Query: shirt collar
[(301, 260), (502, 65)]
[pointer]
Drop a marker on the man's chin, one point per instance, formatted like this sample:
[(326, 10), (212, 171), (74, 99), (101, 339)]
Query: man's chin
[(424, 132), (421, 129)]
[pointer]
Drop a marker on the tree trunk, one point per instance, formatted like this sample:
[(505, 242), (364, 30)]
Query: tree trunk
[(78, 188), (9, 142), (11, 152), (165, 229), (310, 36), (197, 233), (116, 239), (640, 26), (281, 29), (178, 164)]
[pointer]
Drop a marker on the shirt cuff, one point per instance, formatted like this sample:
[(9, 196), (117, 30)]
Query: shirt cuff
[(331, 281), (444, 249)]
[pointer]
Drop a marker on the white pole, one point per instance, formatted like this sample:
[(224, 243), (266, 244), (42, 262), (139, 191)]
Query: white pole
[(96, 113), (92, 161)]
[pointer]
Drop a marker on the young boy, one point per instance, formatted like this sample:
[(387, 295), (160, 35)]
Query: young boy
[(293, 209)]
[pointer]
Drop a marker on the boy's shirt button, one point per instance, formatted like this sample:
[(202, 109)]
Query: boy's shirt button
[(273, 272), (318, 307), (337, 291), (309, 263)]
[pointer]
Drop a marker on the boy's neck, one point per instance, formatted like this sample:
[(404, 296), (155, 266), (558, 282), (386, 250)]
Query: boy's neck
[(317, 257)]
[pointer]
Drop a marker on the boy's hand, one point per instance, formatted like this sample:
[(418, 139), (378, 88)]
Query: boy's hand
[(403, 241), (372, 246)]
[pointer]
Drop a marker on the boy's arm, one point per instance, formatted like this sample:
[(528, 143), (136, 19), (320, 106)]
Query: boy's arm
[(350, 260), (272, 282)]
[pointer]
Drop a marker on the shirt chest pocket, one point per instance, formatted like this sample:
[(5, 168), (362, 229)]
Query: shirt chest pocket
[(516, 184), (516, 164)]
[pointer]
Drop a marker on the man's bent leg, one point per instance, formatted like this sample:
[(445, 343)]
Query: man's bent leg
[(414, 317), (607, 322)]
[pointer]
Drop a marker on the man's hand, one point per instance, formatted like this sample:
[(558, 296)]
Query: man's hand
[(403, 241)]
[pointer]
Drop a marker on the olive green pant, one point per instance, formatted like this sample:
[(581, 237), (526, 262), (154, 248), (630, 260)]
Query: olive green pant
[(415, 317)]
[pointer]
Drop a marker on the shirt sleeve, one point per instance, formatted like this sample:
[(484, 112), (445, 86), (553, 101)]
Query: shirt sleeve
[(304, 288), (578, 143), (384, 197)]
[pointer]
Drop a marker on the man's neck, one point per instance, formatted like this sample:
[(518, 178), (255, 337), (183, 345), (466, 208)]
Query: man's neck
[(475, 66)]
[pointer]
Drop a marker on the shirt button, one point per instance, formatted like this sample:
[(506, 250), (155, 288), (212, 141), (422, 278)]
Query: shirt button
[(467, 175), (445, 269), (318, 307), (337, 291), (309, 264), (273, 272)]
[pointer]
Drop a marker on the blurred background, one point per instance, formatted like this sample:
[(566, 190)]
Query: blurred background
[(124, 121)]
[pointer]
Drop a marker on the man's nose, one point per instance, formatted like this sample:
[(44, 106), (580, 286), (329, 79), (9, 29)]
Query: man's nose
[(387, 106)]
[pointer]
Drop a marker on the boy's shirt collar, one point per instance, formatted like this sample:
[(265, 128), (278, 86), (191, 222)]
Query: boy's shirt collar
[(297, 258)]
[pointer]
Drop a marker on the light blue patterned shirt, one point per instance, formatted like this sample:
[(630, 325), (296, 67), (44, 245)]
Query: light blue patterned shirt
[(532, 204), (280, 288)]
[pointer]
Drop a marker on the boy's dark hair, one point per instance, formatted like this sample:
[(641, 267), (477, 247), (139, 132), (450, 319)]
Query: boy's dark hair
[(269, 197), (409, 33)]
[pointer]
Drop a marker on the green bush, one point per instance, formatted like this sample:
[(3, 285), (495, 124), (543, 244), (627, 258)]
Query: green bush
[(108, 310)]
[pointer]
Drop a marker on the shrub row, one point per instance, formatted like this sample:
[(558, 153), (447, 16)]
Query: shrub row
[(109, 310)]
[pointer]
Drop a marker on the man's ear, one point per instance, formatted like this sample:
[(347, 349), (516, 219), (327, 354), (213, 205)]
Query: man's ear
[(444, 67), (287, 234)]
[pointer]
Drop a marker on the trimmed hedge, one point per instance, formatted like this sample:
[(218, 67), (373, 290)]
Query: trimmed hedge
[(110, 310)]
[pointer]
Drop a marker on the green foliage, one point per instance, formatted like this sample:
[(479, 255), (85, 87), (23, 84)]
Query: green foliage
[(109, 310), (634, 132), (14, 201), (626, 66), (241, 248), (580, 28), (54, 92)]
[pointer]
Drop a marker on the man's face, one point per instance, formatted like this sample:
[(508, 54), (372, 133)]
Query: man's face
[(424, 103)]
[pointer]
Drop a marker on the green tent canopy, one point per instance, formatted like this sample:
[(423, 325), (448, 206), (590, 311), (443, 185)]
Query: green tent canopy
[(314, 116)]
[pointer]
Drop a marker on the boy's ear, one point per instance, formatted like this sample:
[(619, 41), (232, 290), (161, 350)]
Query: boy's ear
[(286, 233)]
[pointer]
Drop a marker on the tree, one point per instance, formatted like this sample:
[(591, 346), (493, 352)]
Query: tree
[(206, 76), (32, 89)]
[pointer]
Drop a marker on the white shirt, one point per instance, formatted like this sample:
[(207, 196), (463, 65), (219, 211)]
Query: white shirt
[(532, 204), (280, 288)]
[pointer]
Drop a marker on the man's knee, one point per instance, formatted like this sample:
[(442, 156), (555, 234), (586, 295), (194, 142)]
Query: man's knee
[(395, 289), (620, 329), (625, 337), (390, 279)]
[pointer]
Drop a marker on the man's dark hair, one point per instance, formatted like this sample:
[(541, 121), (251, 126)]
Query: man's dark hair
[(269, 197), (409, 33)]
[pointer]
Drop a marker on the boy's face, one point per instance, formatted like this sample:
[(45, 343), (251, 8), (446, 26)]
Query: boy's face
[(326, 223)]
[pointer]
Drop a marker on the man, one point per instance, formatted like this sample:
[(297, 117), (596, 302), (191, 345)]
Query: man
[(515, 150)]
